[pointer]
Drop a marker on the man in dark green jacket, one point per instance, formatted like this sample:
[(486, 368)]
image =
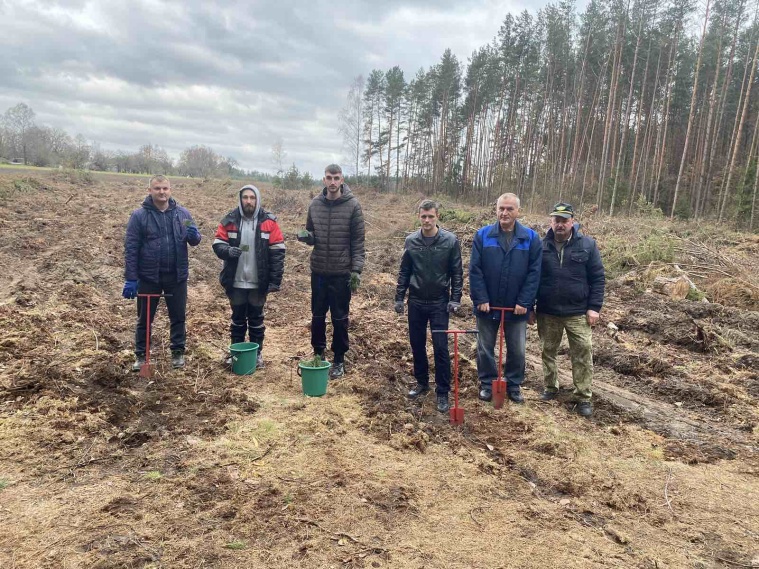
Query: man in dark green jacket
[(335, 228), (431, 271), (570, 297)]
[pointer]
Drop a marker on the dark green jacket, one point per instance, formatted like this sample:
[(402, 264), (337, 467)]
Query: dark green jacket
[(431, 273)]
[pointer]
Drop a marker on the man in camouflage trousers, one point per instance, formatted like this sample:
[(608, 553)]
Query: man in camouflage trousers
[(570, 296)]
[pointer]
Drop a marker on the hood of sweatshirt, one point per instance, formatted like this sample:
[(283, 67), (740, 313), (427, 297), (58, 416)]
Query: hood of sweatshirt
[(258, 200)]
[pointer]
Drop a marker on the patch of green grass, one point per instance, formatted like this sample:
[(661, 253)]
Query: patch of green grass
[(4, 483), (457, 215), (153, 475), (237, 545), (622, 253), (695, 295)]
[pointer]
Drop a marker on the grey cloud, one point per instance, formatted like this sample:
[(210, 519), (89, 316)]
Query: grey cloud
[(232, 75)]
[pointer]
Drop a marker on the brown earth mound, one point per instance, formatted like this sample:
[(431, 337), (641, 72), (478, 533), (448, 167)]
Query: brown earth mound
[(203, 468)]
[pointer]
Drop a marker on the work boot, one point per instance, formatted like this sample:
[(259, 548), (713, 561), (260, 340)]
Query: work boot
[(584, 409), (442, 403), (486, 394), (177, 360), (549, 395), (139, 361), (228, 361), (336, 371), (420, 389), (260, 362), (515, 394)]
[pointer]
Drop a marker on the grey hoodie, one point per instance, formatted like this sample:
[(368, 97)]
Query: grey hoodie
[(246, 275)]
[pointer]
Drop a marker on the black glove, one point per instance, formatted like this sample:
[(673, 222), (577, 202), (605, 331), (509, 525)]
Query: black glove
[(453, 307), (399, 306), (272, 288), (234, 252)]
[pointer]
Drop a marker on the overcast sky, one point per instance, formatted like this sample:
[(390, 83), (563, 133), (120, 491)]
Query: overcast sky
[(231, 75)]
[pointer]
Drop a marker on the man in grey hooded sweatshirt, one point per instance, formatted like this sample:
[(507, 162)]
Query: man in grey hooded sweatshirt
[(252, 247)]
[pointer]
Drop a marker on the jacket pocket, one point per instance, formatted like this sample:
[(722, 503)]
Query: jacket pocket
[(579, 256)]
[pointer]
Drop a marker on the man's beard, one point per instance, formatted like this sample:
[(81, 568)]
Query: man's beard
[(248, 210)]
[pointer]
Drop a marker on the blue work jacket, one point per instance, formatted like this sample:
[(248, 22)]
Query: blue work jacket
[(504, 277)]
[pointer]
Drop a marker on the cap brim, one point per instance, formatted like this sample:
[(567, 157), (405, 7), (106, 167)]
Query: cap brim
[(563, 214)]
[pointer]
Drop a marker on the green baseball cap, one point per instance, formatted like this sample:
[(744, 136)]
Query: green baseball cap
[(564, 210)]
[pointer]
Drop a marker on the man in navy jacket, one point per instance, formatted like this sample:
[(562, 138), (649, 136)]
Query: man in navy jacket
[(570, 297), (504, 271), (155, 255)]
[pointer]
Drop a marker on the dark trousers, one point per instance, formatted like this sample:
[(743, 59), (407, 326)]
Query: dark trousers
[(176, 303), (437, 316), (331, 293), (247, 315)]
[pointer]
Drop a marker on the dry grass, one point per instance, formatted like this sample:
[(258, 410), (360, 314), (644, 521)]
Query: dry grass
[(202, 468)]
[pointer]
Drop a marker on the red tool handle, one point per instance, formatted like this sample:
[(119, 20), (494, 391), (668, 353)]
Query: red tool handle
[(454, 331)]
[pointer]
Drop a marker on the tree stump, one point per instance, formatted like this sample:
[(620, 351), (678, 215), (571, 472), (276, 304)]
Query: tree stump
[(676, 288)]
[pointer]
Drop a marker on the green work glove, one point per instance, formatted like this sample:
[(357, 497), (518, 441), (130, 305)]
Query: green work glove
[(304, 236), (355, 281)]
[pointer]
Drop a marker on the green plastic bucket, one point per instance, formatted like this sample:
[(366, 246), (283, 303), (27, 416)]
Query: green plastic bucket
[(244, 357), (314, 379)]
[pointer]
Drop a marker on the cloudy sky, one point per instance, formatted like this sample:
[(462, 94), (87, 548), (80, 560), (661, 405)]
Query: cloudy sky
[(232, 75)]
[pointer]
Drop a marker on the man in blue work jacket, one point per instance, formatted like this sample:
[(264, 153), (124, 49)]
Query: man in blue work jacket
[(504, 271)]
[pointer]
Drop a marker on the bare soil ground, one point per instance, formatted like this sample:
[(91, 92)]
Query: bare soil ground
[(202, 468)]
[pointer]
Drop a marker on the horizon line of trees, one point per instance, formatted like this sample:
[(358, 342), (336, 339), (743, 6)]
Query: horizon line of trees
[(628, 106), (23, 140)]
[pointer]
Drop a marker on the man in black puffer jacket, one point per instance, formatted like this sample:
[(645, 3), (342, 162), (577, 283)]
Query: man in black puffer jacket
[(335, 228), (252, 247), (570, 297), (431, 271)]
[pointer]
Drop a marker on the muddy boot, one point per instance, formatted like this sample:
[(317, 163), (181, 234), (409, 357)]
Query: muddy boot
[(584, 409), (139, 361), (442, 403), (177, 360), (260, 361)]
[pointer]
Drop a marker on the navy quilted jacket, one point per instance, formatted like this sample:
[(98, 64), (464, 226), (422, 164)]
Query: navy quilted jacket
[(148, 237)]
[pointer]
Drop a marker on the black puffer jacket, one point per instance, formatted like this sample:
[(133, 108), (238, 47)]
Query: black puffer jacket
[(337, 227), (431, 273), (575, 285)]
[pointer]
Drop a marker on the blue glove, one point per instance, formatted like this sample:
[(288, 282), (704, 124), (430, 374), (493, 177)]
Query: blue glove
[(192, 233), (453, 307), (130, 289), (398, 306)]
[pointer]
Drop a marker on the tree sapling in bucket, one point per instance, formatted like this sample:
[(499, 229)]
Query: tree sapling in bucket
[(314, 375)]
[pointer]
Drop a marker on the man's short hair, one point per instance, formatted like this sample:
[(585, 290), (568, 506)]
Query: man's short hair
[(158, 178), (508, 196), (333, 169), (428, 204)]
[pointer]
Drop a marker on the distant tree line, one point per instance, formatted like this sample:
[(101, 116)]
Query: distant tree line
[(630, 105), (23, 141)]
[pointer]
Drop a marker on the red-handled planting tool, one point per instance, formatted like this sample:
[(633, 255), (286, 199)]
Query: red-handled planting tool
[(456, 412), (499, 384), (146, 370)]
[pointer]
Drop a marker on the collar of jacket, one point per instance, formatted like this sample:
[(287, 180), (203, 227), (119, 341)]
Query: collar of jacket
[(519, 231), (345, 194)]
